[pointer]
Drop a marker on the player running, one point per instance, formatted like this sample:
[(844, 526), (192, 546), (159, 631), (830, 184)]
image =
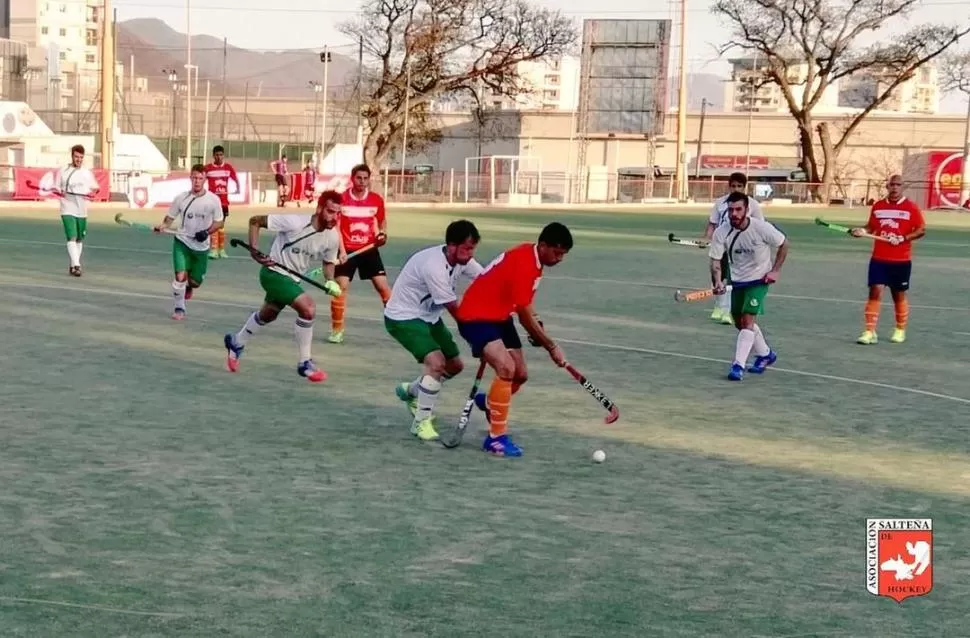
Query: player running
[(422, 291), (299, 239), (281, 174), (737, 183), (363, 222), (746, 242), (218, 173), (505, 287), (901, 221), (74, 186), (199, 214)]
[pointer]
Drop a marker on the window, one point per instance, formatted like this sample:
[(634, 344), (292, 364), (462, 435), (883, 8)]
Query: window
[(63, 8), (62, 32), (43, 30), (91, 38), (551, 94), (62, 56), (552, 79), (90, 58)]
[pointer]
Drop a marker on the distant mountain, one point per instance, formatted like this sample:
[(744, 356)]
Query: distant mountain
[(157, 47)]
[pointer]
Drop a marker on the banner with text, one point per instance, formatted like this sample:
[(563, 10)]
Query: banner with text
[(37, 184), (148, 191)]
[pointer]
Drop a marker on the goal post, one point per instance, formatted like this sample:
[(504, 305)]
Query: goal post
[(512, 179)]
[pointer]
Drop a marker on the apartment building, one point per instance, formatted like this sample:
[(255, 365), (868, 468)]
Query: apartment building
[(918, 94), (745, 90)]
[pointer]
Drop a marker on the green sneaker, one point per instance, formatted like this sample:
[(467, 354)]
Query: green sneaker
[(424, 430), (336, 337), (868, 338), (899, 336), (213, 254), (727, 319), (717, 314), (223, 254), (402, 393)]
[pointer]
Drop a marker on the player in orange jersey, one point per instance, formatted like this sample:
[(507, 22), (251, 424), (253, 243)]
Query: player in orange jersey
[(504, 288), (899, 220), (217, 174), (363, 222)]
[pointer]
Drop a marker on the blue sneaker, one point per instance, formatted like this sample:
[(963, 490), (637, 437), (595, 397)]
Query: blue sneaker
[(482, 402), (501, 445), (311, 372), (761, 363), (737, 372), (233, 352)]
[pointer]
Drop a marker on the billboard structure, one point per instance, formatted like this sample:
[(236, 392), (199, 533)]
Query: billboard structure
[(623, 81)]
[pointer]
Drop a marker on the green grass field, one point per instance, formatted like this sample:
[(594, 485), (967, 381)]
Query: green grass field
[(148, 492)]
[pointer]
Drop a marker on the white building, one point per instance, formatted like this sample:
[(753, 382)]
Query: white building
[(742, 93), (547, 86), (919, 94)]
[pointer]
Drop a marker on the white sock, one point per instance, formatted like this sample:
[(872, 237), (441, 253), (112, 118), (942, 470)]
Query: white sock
[(178, 294), (303, 331), (74, 252), (249, 329), (427, 394), (414, 385), (761, 348), (80, 249), (724, 301), (743, 349)]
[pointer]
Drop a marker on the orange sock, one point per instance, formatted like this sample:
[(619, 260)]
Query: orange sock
[(872, 313), (499, 400), (902, 312), (338, 306), (222, 239)]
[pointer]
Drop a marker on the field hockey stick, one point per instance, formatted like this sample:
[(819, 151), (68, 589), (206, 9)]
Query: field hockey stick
[(696, 243), (316, 272), (148, 228), (845, 229), (613, 412), (57, 193), (693, 295), (453, 440), (256, 253)]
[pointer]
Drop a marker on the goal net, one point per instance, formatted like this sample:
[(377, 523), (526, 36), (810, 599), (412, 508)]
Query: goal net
[(510, 179)]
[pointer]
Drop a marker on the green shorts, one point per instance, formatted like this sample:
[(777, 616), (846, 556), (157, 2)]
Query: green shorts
[(75, 228), (749, 300), (193, 262), (421, 338), (281, 290), (725, 268)]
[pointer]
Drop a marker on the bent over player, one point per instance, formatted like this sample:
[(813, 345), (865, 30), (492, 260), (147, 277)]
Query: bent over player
[(199, 214), (299, 239), (75, 185), (422, 291), (747, 243), (737, 183), (899, 220), (363, 222), (505, 287), (219, 173)]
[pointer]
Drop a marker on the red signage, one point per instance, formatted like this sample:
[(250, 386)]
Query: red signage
[(734, 161), (944, 174), (35, 184)]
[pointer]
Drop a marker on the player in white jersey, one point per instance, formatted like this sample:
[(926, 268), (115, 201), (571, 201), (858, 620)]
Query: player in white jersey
[(199, 215), (74, 186), (300, 239), (737, 183), (423, 290), (747, 243)]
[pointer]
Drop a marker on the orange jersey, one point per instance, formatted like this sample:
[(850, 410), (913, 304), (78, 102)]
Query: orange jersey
[(506, 285), (218, 176), (894, 218), (359, 219)]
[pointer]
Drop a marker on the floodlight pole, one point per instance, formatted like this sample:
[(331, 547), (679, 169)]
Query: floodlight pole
[(325, 59), (681, 175), (188, 85)]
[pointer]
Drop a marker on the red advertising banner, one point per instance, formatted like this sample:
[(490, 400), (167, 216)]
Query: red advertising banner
[(734, 161), (944, 174), (338, 183), (35, 184)]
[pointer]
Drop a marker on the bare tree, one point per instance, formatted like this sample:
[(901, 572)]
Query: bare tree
[(807, 46), (450, 47), (956, 77)]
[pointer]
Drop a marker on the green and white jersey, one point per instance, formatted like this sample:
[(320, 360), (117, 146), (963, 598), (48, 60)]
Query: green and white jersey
[(749, 251), (426, 285), (719, 213), (75, 183), (194, 212), (298, 243)]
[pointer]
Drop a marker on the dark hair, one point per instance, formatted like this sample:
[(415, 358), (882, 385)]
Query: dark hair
[(77, 148), (359, 168), (218, 149), (329, 196), (737, 197), (556, 235), (458, 231), (198, 168), (738, 178)]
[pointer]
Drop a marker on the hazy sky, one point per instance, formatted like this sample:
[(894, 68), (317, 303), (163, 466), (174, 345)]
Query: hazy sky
[(280, 24)]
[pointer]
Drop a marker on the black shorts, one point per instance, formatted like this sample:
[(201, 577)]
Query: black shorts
[(367, 264), (479, 334), (280, 180), (893, 274), (225, 210)]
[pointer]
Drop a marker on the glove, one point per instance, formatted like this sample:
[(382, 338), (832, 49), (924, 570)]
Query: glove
[(381, 240), (202, 235), (332, 288), (532, 341), (896, 240)]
